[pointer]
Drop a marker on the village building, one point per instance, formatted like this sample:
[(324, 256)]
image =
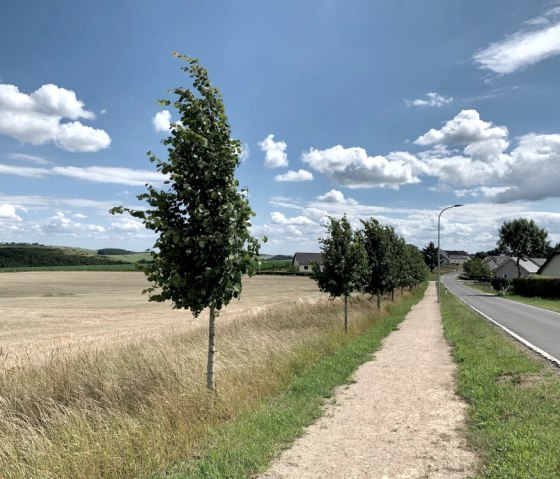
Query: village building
[(303, 262), (551, 267), (508, 268)]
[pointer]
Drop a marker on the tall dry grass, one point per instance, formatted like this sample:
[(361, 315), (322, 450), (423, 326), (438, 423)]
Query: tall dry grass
[(138, 409)]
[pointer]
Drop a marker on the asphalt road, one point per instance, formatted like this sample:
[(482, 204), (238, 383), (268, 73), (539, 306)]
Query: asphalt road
[(535, 327)]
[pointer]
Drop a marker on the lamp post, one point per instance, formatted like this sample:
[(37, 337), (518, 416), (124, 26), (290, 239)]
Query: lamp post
[(438, 250)]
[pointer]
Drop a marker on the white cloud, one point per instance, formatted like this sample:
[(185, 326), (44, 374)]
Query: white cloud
[(60, 223), (432, 99), (275, 152), (525, 47), (30, 158), (105, 174), (29, 172), (127, 225), (353, 167), (244, 153), (335, 196), (281, 219), (162, 121), (465, 128), (37, 119), (8, 212), (296, 176)]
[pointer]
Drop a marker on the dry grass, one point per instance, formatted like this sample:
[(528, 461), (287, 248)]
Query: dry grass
[(51, 313), (138, 407)]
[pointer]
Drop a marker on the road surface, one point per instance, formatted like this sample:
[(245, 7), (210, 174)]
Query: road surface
[(537, 328)]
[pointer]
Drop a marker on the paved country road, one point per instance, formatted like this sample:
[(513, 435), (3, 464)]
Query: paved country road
[(538, 328)]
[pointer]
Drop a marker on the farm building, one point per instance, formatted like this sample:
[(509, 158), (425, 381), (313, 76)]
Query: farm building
[(454, 257), (508, 269), (303, 261), (551, 267)]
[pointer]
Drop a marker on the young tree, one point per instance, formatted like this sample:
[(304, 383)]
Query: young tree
[(378, 250), (430, 255), (343, 262), (417, 270), (476, 269), (202, 219), (522, 238)]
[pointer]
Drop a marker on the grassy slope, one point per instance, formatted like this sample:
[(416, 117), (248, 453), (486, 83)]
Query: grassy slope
[(514, 414)]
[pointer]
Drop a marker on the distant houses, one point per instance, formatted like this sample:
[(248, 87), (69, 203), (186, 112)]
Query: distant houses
[(454, 257), (551, 266), (303, 262), (508, 269)]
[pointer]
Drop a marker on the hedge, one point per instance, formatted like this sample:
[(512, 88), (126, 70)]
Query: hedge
[(539, 286)]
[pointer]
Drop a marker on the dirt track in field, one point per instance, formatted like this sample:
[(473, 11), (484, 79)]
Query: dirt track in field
[(42, 313)]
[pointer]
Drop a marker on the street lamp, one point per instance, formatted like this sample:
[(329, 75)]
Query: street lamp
[(438, 250)]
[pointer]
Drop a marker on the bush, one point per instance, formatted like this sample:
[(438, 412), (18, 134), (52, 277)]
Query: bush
[(539, 286), (499, 284)]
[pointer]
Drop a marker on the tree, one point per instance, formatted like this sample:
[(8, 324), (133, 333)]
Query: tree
[(430, 255), (378, 251), (522, 238), (202, 219), (343, 262), (476, 269), (417, 270)]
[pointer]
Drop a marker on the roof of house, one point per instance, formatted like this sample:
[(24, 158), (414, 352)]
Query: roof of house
[(308, 258), (529, 266), (538, 261), (495, 261), (457, 253)]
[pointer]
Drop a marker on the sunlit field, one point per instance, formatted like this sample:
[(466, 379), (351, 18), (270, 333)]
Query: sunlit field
[(49, 313)]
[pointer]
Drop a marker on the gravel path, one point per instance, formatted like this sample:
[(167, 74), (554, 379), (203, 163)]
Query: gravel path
[(400, 419)]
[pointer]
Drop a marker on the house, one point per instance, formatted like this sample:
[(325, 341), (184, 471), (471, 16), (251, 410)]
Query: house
[(454, 257), (508, 269), (303, 261), (551, 266), (494, 261)]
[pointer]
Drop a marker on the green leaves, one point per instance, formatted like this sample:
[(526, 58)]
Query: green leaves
[(204, 245)]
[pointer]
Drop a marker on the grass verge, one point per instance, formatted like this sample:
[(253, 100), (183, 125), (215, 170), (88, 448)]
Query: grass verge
[(141, 410), (550, 304), (514, 398)]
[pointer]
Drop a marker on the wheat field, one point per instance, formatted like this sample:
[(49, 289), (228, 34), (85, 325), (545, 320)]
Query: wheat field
[(51, 313)]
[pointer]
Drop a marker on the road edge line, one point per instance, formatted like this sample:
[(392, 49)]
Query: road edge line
[(523, 341)]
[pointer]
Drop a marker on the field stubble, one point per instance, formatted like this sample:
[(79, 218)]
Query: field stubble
[(43, 314)]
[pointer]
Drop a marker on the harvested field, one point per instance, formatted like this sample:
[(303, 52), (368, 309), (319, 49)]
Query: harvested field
[(45, 313)]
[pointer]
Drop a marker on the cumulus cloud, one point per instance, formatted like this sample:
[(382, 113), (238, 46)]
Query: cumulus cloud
[(280, 218), (162, 121), (354, 168), (295, 176), (525, 47), (432, 99), (335, 196), (37, 119), (8, 212), (275, 152)]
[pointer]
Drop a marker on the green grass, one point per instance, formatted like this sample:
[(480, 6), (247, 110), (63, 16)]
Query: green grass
[(249, 443), (550, 304), (514, 399)]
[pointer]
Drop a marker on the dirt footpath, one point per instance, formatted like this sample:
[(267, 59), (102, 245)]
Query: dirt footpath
[(400, 419)]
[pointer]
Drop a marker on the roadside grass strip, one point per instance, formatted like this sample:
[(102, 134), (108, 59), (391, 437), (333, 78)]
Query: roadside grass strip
[(514, 398), (247, 445)]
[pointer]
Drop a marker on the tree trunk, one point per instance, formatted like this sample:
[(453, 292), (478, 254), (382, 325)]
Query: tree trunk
[(518, 267), (210, 377), (345, 313), (393, 294), (378, 301)]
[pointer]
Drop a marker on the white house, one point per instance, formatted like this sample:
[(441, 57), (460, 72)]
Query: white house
[(508, 268), (551, 267), (303, 261)]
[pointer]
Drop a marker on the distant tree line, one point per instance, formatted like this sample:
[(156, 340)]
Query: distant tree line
[(113, 252), (36, 256), (374, 260)]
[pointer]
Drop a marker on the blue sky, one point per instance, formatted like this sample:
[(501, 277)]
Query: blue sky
[(387, 109)]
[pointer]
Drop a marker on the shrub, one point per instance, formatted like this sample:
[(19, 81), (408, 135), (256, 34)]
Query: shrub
[(540, 286), (499, 284)]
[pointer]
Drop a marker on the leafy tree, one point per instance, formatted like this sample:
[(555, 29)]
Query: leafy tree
[(343, 262), (202, 219), (430, 253), (522, 238), (416, 269), (476, 269), (378, 249)]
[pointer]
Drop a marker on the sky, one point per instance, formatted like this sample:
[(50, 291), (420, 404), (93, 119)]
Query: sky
[(387, 109)]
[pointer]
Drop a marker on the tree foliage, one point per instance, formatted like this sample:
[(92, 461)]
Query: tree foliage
[(522, 238), (201, 217), (344, 262), (430, 254), (476, 269)]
